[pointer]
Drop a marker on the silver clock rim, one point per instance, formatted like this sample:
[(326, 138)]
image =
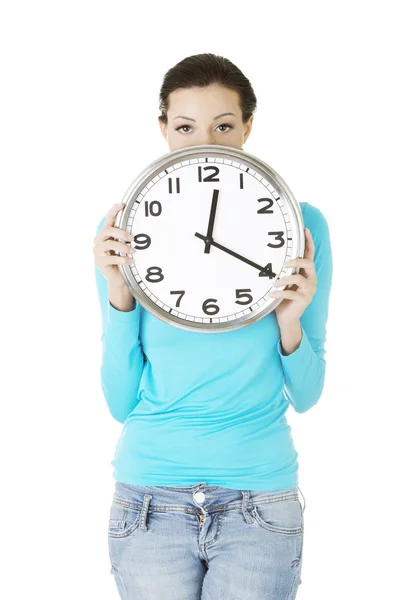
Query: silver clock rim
[(200, 151)]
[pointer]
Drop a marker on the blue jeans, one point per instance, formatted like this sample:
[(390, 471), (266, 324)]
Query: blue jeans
[(205, 542)]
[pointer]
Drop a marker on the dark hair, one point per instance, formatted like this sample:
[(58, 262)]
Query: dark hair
[(201, 70)]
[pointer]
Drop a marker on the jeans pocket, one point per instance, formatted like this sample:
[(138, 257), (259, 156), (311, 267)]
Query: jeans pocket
[(123, 521), (281, 517)]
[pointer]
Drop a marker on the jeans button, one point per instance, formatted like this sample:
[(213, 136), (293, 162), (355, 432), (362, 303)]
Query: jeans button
[(200, 497)]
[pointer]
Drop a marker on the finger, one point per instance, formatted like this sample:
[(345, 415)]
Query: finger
[(113, 259), (289, 294), (117, 233), (108, 221), (304, 263), (110, 245), (113, 233), (296, 279), (308, 290), (112, 215), (309, 250)]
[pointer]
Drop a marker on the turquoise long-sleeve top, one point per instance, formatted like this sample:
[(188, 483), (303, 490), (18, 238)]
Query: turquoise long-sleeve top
[(200, 407)]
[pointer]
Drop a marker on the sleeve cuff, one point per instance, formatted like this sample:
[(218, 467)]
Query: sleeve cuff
[(299, 353), (122, 316)]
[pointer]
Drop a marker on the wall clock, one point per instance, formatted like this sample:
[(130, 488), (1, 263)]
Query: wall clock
[(213, 226)]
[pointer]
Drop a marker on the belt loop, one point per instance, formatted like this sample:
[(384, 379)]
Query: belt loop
[(304, 507), (245, 510), (144, 510)]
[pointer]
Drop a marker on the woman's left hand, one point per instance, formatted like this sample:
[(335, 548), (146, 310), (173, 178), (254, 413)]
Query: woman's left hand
[(303, 285)]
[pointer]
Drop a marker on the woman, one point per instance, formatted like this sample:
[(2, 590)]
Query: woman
[(206, 500)]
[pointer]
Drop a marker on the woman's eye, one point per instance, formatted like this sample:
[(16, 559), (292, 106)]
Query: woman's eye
[(225, 125)]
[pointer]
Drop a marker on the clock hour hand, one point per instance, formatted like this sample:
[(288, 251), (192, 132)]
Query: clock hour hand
[(211, 220), (235, 254)]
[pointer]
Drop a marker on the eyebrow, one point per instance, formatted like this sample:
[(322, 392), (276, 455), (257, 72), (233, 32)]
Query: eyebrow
[(217, 117)]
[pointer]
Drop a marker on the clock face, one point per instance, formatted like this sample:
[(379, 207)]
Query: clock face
[(211, 236)]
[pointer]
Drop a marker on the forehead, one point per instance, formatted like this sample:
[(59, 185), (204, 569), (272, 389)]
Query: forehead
[(203, 101)]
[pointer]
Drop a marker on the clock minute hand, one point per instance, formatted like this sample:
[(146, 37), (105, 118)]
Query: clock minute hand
[(211, 220), (231, 252)]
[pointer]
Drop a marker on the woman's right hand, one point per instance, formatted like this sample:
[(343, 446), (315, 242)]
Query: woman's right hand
[(105, 245)]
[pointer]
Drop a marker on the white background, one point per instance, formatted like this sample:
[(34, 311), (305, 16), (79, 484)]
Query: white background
[(79, 106)]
